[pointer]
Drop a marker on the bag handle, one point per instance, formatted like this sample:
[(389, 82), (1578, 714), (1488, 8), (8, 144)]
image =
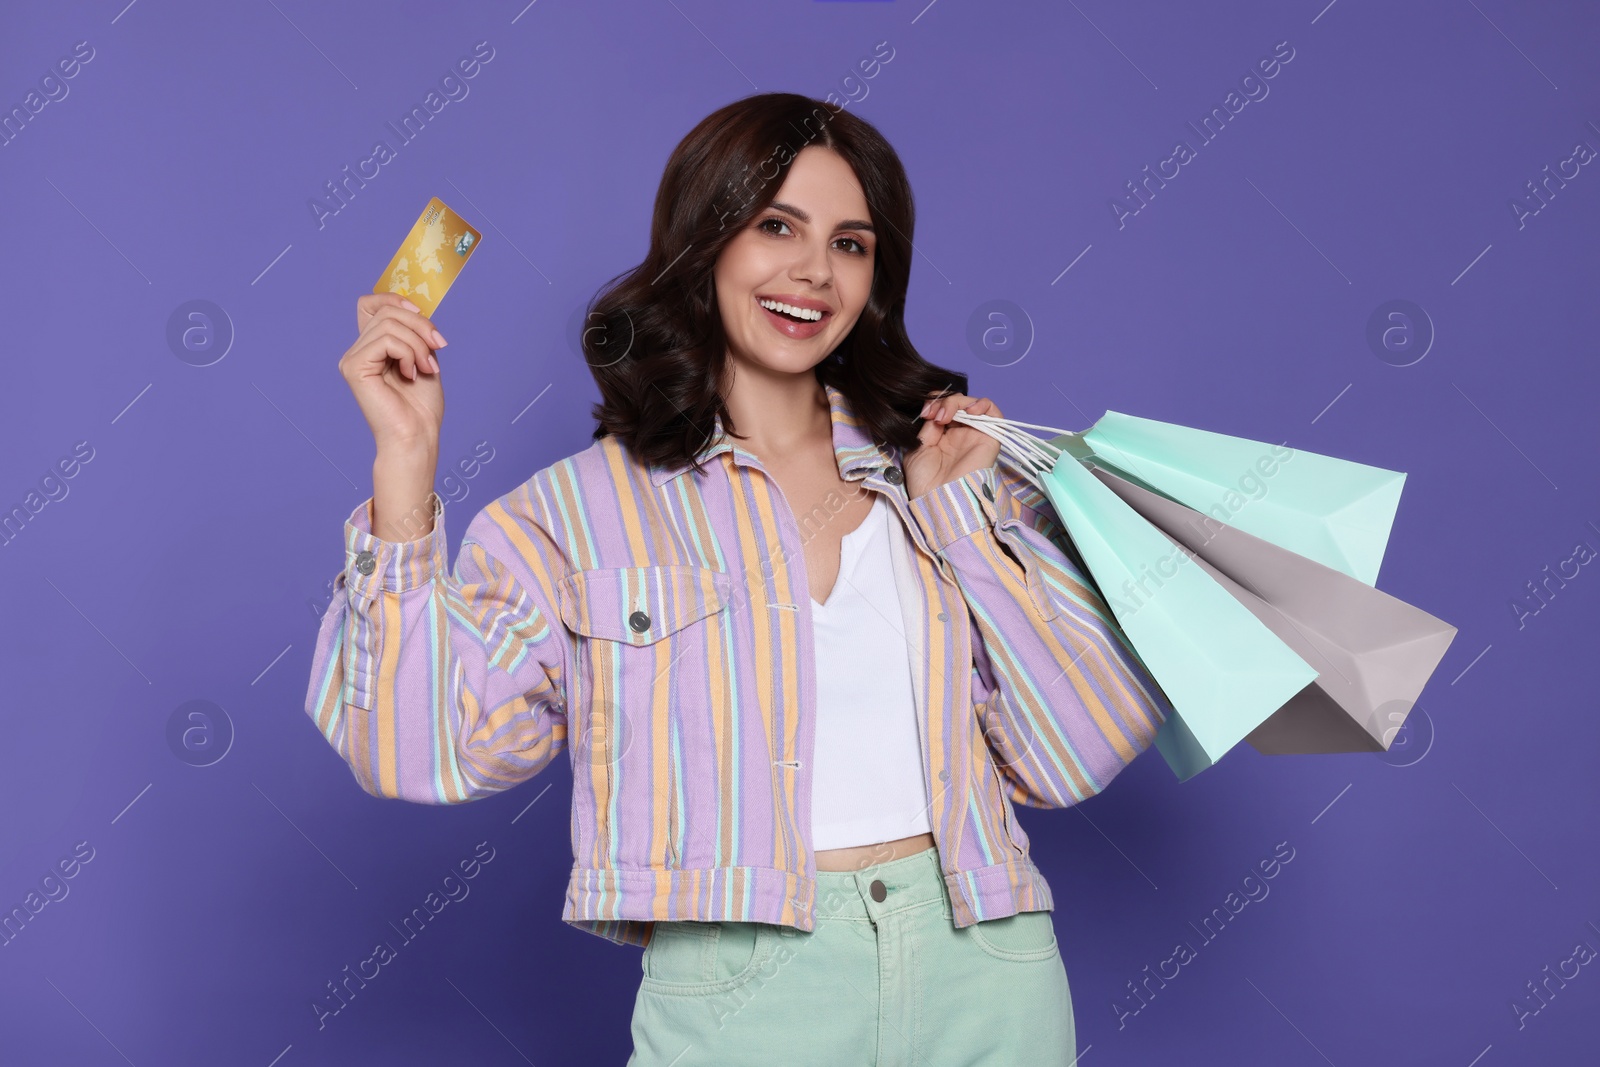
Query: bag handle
[(1028, 454)]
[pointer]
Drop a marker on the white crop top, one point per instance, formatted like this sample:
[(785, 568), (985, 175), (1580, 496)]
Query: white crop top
[(867, 782)]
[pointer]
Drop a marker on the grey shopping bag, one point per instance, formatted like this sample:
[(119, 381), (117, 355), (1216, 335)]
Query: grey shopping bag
[(1373, 653)]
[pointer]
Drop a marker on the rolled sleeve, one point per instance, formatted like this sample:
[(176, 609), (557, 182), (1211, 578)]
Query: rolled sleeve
[(957, 508), (373, 565)]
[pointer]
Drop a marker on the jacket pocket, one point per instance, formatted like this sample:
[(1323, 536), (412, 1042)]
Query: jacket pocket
[(635, 625), (641, 605)]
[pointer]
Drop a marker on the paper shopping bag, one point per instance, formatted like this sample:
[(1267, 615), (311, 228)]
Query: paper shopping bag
[(1373, 652), (1224, 671), (1335, 511)]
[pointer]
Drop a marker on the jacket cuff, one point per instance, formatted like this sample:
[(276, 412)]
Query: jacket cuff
[(958, 508), (373, 565)]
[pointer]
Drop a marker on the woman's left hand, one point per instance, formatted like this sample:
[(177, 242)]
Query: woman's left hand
[(950, 450)]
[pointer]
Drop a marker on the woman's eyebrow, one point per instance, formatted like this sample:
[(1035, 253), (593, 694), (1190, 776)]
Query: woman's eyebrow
[(847, 224)]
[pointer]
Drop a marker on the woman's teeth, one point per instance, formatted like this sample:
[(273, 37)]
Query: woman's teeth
[(801, 314)]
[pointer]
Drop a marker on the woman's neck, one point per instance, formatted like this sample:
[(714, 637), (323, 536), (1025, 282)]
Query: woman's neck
[(778, 414)]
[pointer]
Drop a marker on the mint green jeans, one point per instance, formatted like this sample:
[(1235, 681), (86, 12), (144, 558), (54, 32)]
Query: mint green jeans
[(884, 983)]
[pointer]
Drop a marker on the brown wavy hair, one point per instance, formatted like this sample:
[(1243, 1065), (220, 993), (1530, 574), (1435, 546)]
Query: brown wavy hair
[(654, 339)]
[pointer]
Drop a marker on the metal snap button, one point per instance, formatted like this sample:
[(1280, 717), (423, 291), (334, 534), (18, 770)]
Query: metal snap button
[(639, 621), (893, 476), (944, 776), (365, 562), (943, 617), (877, 890)]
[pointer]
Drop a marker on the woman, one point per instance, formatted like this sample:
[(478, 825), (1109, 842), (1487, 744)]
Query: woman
[(806, 641)]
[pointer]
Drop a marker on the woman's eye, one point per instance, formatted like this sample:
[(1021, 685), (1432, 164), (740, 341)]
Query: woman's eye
[(859, 249)]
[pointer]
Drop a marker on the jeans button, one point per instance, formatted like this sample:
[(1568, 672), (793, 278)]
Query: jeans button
[(365, 562), (639, 621), (877, 890), (893, 476)]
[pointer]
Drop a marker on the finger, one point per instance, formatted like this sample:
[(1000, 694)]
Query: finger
[(371, 357), (404, 355), (402, 330), (950, 405), (423, 325), (382, 347), (367, 304), (930, 409)]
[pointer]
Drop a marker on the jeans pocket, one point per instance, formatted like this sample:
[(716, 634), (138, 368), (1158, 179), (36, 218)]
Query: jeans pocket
[(1024, 937), (701, 958)]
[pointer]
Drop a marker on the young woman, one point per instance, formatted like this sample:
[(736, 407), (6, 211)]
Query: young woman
[(805, 641)]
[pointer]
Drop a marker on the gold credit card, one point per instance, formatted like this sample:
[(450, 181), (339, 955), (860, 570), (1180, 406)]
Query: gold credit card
[(430, 257)]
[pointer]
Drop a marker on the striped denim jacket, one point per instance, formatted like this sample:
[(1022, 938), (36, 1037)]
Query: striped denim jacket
[(655, 623)]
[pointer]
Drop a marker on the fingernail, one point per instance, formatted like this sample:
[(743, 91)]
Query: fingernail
[(408, 305), (925, 408), (438, 339)]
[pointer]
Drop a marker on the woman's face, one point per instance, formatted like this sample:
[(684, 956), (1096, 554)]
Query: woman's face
[(812, 248)]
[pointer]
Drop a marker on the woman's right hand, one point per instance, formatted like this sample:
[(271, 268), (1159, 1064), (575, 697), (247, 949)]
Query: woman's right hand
[(393, 372)]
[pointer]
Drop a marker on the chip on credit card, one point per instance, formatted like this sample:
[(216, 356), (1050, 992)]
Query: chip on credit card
[(430, 257)]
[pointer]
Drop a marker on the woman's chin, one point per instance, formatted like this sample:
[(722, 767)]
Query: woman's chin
[(784, 360)]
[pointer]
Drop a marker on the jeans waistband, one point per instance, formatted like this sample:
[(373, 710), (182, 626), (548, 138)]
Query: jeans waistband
[(908, 882)]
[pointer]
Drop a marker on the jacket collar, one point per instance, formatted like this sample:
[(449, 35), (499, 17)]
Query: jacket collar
[(853, 449)]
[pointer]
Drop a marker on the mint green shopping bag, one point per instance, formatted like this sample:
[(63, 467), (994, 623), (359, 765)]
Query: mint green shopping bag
[(1335, 511), (1223, 670)]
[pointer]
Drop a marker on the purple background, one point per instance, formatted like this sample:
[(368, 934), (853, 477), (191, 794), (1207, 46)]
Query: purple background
[(188, 559)]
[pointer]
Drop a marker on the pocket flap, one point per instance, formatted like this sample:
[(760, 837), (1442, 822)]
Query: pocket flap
[(641, 605)]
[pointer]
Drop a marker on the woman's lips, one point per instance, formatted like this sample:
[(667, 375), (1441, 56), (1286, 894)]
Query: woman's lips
[(793, 327)]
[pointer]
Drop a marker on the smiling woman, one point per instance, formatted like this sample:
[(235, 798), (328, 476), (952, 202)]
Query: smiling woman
[(783, 615), (714, 279)]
